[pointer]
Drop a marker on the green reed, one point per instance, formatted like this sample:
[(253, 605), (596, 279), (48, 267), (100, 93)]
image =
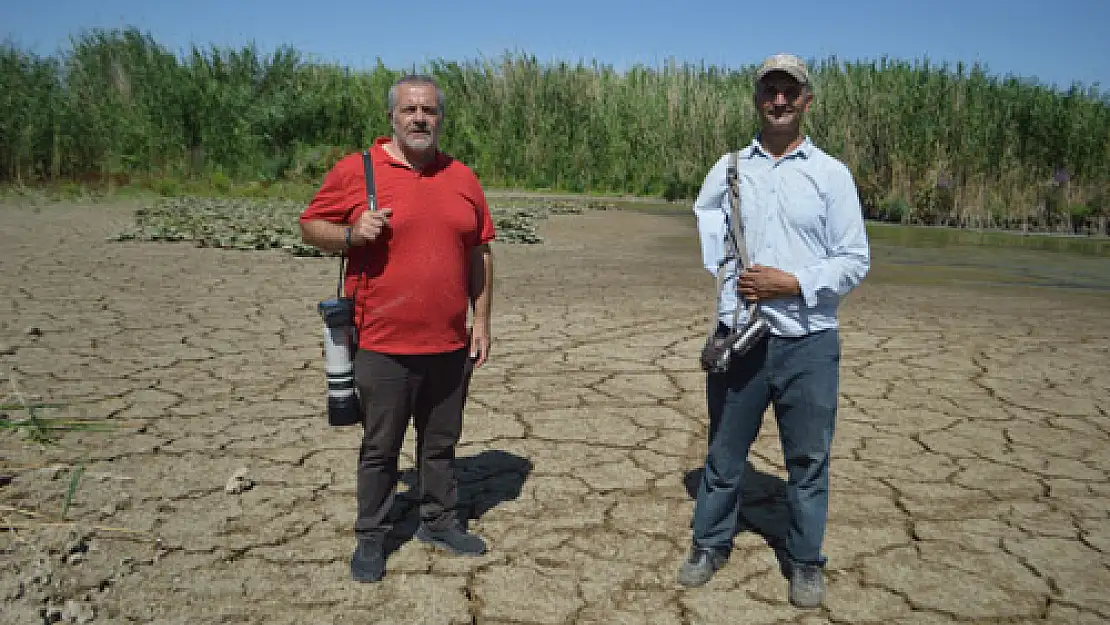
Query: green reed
[(928, 143)]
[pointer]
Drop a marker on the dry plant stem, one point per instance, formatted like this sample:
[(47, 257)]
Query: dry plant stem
[(15, 389), (97, 528), (62, 467), (41, 520), (30, 513)]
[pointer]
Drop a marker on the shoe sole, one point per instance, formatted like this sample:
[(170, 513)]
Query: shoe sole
[(693, 583), (366, 579), (444, 546), (807, 605)]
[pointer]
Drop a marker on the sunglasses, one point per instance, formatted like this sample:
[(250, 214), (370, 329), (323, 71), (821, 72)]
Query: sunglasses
[(791, 92)]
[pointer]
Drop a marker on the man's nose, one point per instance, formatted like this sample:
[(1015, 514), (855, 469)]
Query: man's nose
[(780, 99)]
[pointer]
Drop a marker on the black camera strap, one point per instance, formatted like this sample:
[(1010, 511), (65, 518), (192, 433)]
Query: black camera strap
[(371, 205), (371, 192)]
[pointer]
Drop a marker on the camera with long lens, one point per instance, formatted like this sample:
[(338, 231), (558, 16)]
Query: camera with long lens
[(721, 348), (339, 345)]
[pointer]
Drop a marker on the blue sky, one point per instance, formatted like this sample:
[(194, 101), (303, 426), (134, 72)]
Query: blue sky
[(1053, 41)]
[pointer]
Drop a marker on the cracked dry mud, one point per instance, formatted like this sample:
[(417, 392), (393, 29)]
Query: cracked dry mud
[(969, 481)]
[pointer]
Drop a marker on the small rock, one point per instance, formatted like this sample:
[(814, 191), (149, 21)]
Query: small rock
[(33, 331), (78, 612), (76, 546), (239, 482), (38, 578), (127, 566)]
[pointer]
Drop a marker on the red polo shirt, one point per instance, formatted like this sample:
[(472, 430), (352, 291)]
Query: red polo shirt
[(411, 285)]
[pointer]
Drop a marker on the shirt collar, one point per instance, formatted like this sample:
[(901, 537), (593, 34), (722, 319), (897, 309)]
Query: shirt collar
[(440, 161), (803, 151)]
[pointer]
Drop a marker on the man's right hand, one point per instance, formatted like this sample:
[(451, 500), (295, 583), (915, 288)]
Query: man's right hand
[(369, 226)]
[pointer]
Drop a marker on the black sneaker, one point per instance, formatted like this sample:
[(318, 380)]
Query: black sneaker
[(700, 565), (368, 561), (453, 539)]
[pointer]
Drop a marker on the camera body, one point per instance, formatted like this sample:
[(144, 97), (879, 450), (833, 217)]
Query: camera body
[(340, 343), (720, 348)]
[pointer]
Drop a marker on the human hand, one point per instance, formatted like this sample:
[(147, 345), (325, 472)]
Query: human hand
[(479, 343), (369, 226), (765, 283)]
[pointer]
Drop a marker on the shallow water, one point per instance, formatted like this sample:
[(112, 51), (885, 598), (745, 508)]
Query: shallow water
[(965, 258), (916, 255)]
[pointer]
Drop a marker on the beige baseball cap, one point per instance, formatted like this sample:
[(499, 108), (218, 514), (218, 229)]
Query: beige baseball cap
[(788, 63)]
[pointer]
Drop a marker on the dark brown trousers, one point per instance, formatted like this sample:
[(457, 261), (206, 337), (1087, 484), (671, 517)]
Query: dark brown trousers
[(431, 390)]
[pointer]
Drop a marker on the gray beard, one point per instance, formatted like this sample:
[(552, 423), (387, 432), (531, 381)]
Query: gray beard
[(425, 144), (428, 144)]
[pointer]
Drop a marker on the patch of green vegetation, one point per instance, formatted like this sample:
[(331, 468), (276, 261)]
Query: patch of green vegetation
[(71, 490), (259, 223), (237, 223), (28, 418), (20, 414)]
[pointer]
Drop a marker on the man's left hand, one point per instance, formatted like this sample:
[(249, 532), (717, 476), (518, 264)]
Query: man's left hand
[(761, 283), (479, 343)]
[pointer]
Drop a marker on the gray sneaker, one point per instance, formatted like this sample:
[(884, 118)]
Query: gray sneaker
[(700, 565), (807, 585)]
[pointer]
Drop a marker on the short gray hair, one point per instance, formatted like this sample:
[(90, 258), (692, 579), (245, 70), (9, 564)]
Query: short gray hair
[(417, 79)]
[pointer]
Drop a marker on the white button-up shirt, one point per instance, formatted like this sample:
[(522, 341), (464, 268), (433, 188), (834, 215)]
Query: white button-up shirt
[(801, 214)]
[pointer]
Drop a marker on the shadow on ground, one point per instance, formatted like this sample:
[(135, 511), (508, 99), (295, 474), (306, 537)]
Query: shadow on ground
[(763, 508), (485, 481)]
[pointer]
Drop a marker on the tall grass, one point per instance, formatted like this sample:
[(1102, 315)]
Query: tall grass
[(927, 143)]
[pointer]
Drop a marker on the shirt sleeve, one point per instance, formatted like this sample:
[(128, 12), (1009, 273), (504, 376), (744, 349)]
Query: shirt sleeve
[(339, 195), (486, 231), (849, 257), (710, 207)]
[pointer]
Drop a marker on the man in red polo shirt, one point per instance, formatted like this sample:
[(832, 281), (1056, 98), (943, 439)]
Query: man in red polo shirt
[(415, 267)]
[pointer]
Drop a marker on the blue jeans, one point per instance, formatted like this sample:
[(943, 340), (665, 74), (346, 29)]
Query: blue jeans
[(799, 376)]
